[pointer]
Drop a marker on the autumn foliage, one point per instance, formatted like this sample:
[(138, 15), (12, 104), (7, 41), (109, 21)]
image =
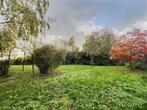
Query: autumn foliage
[(131, 47)]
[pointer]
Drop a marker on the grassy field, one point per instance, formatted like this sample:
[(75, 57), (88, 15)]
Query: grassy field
[(77, 87)]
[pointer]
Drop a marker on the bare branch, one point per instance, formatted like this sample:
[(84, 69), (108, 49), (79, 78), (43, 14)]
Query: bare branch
[(15, 16)]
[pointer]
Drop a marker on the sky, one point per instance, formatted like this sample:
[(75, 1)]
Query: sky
[(79, 18)]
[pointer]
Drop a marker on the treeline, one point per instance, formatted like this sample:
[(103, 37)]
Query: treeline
[(96, 50), (103, 49)]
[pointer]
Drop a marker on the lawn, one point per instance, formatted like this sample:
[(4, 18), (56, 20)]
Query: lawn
[(77, 87)]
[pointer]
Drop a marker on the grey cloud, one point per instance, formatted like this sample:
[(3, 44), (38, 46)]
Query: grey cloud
[(118, 14)]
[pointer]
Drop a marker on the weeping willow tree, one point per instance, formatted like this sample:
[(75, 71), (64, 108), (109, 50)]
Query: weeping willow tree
[(20, 19), (25, 17)]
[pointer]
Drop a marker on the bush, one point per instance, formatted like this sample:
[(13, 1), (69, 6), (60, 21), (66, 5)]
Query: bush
[(3, 68), (140, 65), (47, 58)]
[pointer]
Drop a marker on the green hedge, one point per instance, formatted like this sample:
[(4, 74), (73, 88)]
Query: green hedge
[(84, 58)]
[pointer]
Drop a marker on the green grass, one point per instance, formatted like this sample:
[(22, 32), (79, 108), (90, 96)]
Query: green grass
[(77, 88)]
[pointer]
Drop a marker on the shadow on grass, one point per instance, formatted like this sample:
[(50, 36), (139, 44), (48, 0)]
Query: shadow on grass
[(48, 75), (27, 77), (6, 78)]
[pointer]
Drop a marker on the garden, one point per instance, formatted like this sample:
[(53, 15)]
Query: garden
[(108, 71)]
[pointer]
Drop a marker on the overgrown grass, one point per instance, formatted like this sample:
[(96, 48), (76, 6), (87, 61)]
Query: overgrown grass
[(77, 88)]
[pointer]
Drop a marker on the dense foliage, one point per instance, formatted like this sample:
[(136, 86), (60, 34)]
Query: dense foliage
[(24, 17), (85, 59), (77, 88), (47, 58)]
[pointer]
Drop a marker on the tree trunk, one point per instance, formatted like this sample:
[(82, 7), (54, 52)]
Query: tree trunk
[(131, 65), (33, 68), (1, 61), (92, 60), (3, 66), (9, 58), (23, 61)]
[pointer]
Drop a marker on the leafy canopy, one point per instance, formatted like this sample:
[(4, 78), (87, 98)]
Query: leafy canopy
[(91, 44), (21, 19), (131, 46), (25, 17), (99, 43)]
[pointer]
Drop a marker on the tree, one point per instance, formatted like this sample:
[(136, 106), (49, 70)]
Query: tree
[(92, 45), (24, 18), (47, 58), (70, 47), (106, 42), (131, 47)]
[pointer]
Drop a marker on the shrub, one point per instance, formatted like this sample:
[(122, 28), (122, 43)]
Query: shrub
[(140, 65), (47, 58), (3, 68)]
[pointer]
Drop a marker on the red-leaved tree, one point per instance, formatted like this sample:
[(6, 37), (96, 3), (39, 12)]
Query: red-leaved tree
[(131, 47)]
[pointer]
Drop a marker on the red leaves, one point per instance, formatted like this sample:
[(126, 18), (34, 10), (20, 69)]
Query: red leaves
[(131, 47)]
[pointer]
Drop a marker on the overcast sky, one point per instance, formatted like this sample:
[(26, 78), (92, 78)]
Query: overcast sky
[(80, 17)]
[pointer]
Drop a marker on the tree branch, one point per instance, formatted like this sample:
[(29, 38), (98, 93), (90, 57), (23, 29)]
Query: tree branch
[(15, 16)]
